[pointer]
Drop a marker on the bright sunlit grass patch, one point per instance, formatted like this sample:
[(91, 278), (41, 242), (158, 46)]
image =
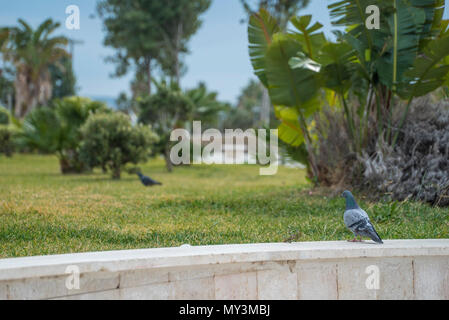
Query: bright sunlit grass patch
[(43, 212)]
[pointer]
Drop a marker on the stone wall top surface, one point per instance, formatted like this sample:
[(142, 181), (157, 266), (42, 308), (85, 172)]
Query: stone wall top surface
[(115, 261)]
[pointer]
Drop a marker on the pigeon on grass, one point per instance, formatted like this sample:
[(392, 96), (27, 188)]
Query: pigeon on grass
[(357, 220), (147, 181)]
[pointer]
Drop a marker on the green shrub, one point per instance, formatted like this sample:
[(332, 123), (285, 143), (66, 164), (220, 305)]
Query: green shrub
[(76, 110), (57, 130), (6, 140), (110, 141), (4, 116), (41, 131)]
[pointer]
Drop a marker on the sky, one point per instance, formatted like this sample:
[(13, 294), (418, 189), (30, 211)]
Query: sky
[(218, 52)]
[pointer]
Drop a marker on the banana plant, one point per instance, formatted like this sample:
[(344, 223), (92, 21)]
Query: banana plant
[(292, 89), (406, 58), (430, 71), (387, 55), (206, 106)]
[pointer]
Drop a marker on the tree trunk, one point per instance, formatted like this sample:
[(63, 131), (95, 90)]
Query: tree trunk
[(265, 108), (148, 67), (22, 92), (70, 163), (10, 102), (178, 49), (116, 172), (29, 93), (64, 165), (308, 143), (168, 162), (44, 89)]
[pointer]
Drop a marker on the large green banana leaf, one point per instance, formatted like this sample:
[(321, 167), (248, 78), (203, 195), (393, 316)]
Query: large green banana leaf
[(291, 86), (430, 70), (308, 35), (445, 31), (338, 66), (406, 25), (352, 15), (447, 77), (289, 130), (294, 82), (399, 42), (294, 87), (434, 11), (262, 26)]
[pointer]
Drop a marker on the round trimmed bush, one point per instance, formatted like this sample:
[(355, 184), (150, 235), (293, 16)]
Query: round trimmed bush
[(110, 141)]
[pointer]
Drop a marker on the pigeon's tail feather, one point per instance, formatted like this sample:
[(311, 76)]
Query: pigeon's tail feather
[(375, 236)]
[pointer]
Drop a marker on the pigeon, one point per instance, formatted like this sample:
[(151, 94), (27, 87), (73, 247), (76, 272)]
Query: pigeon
[(147, 181), (357, 220)]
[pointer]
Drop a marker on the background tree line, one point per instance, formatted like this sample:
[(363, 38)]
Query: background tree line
[(150, 38)]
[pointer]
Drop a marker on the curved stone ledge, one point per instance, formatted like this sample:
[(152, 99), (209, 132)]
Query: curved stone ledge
[(399, 269)]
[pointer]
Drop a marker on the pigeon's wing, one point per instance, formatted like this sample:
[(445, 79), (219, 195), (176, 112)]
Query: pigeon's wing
[(150, 182), (368, 230), (353, 217), (372, 233), (358, 222), (363, 212), (146, 181), (154, 182)]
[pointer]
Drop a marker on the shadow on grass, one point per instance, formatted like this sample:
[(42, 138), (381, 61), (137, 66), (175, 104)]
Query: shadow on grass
[(88, 179)]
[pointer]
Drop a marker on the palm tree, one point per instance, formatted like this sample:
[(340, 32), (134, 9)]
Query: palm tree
[(167, 109), (32, 52), (206, 106)]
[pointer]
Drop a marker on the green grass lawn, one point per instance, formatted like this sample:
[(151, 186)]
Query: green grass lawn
[(43, 212)]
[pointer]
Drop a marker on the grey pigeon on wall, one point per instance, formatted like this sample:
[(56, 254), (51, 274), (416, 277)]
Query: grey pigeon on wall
[(147, 181), (357, 220)]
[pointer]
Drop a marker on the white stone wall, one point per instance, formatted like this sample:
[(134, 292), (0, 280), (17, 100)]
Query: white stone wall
[(399, 269)]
